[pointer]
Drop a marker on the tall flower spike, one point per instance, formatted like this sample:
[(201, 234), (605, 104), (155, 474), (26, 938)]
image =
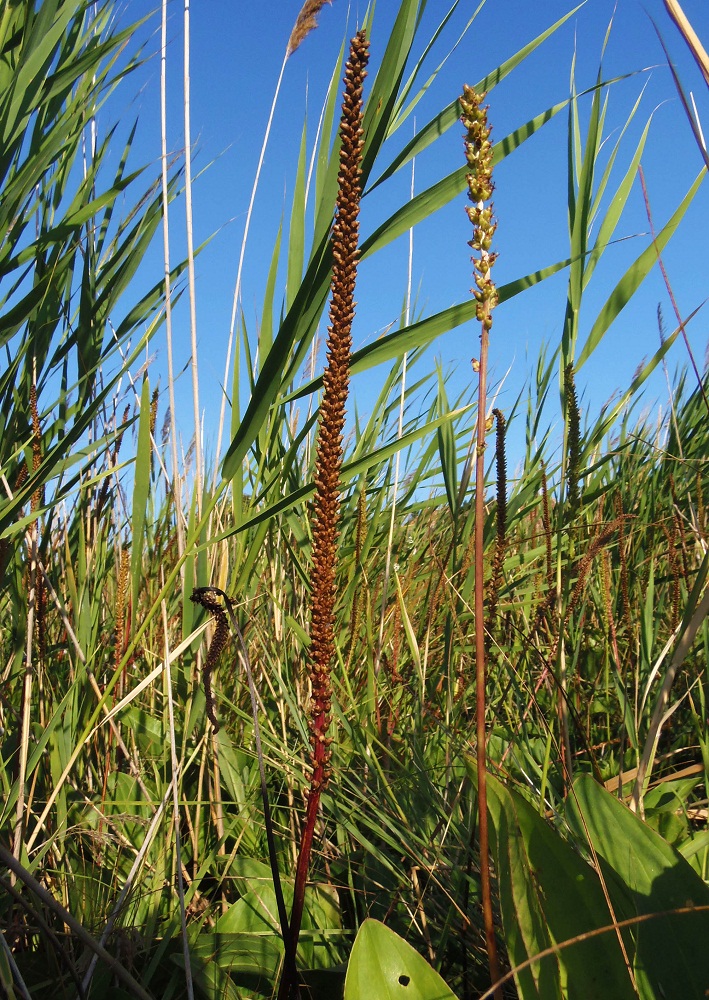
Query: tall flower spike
[(328, 465), (328, 462), (479, 155)]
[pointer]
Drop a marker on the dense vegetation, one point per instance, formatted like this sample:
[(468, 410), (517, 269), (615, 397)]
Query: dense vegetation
[(134, 836)]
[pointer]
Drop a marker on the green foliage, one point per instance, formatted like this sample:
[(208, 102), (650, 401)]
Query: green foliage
[(550, 896), (143, 826), (383, 965)]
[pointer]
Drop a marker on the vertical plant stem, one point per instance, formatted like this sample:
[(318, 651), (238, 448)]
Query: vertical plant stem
[(328, 465), (35, 589), (176, 767), (190, 264), (26, 702), (478, 150), (176, 480)]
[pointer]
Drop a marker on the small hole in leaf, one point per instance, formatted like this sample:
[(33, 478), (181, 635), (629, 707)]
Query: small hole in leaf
[(404, 980)]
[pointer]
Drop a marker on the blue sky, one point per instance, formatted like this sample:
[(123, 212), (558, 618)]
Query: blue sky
[(237, 50)]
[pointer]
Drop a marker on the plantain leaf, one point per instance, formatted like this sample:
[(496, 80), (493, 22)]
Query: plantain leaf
[(672, 959), (384, 966), (548, 897)]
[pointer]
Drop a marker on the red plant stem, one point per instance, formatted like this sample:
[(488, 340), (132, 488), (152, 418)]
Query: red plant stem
[(480, 670), (479, 156)]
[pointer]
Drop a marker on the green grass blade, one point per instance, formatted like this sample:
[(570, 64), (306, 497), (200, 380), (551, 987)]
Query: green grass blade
[(635, 275), (451, 114)]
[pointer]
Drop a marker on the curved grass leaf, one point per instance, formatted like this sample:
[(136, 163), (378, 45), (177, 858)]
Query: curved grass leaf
[(451, 114), (635, 275)]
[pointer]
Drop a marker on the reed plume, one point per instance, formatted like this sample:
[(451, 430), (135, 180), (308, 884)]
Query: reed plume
[(306, 21), (328, 463)]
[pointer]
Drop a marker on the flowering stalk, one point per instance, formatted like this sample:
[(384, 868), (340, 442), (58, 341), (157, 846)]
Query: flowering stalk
[(501, 520), (478, 153), (328, 465)]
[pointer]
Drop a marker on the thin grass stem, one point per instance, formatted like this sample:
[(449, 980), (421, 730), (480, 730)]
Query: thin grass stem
[(199, 468), (176, 477)]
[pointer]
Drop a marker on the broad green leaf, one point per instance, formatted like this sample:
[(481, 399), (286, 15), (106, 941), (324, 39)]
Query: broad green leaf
[(301, 320), (451, 114), (265, 340), (401, 113), (384, 966), (379, 112), (443, 191), (579, 207), (672, 958), (424, 332), (619, 200), (548, 897), (252, 921)]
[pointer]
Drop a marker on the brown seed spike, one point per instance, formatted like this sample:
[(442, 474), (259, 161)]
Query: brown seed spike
[(328, 464), (206, 597)]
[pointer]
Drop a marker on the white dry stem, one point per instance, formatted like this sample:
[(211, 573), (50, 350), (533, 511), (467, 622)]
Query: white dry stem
[(176, 477), (660, 713), (190, 262), (176, 806), (26, 700), (698, 122), (240, 268)]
